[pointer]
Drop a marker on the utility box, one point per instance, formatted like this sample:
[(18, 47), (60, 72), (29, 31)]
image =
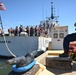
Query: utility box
[(58, 34)]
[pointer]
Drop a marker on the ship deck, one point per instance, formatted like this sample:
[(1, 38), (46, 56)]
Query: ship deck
[(53, 71)]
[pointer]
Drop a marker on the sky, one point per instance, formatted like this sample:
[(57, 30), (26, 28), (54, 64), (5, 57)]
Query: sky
[(31, 12)]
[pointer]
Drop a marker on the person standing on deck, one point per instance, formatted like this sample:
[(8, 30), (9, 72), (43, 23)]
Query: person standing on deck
[(16, 31), (31, 31), (36, 31), (27, 30), (0, 32), (20, 29)]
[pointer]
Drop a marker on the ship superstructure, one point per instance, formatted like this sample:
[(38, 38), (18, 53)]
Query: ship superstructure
[(51, 21)]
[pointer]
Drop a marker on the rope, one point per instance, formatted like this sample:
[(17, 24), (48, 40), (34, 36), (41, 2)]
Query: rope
[(8, 47)]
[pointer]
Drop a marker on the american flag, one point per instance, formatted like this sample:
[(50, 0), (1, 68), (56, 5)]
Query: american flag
[(2, 7)]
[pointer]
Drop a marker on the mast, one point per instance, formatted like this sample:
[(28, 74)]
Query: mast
[(1, 23), (52, 15), (52, 12)]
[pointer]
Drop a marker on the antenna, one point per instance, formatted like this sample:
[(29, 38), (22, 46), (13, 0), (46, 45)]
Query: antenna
[(42, 11), (52, 15), (46, 13), (56, 17)]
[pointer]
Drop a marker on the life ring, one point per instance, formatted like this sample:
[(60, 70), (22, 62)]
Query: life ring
[(23, 69)]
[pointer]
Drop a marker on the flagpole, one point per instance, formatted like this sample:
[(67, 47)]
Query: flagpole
[(2, 29), (2, 7), (1, 23)]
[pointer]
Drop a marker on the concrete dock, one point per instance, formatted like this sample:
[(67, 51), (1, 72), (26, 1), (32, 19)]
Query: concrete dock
[(53, 71)]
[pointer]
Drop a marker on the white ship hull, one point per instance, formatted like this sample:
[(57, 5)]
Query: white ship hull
[(21, 45)]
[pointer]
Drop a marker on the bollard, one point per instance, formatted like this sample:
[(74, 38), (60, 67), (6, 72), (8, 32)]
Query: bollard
[(32, 71)]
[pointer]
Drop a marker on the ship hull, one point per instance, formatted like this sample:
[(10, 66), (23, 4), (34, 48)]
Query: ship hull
[(18, 45), (21, 45)]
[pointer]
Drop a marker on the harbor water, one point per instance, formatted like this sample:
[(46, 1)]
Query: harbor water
[(4, 68)]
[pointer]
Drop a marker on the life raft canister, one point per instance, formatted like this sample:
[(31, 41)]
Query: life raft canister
[(25, 68)]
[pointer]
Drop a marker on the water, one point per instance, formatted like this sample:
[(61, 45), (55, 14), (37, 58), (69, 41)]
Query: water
[(4, 68)]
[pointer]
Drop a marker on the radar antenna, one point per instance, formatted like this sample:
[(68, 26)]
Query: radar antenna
[(52, 13)]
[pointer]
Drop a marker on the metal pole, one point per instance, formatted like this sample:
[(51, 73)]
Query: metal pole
[(1, 25), (1, 22)]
